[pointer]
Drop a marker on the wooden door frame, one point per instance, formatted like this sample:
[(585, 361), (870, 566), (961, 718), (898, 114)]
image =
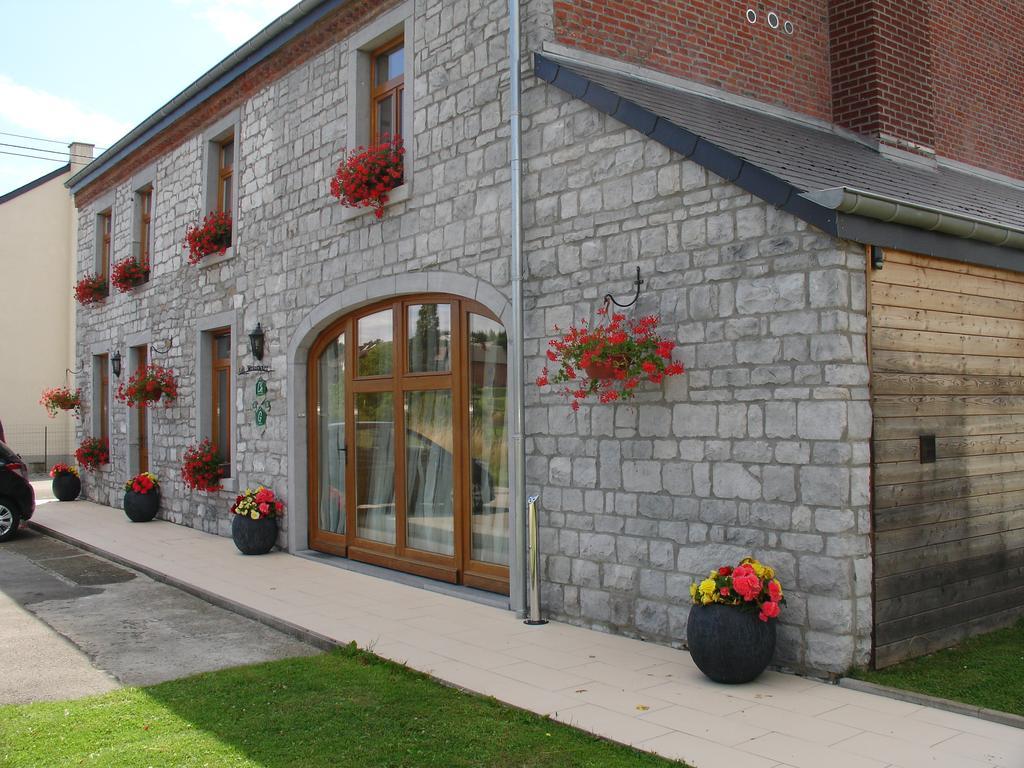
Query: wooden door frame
[(456, 568)]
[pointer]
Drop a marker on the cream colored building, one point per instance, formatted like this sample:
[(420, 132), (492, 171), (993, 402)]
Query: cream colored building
[(38, 225)]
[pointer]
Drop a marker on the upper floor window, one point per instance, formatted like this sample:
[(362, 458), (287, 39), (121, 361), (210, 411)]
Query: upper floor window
[(104, 234), (144, 218), (225, 170), (387, 88)]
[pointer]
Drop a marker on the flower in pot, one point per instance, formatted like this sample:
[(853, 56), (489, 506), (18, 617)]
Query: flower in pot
[(254, 527), (366, 175), (212, 236), (147, 385), (201, 467), (129, 273), (731, 628), (142, 497), (93, 453), (615, 356), (91, 289), (66, 484), (57, 399)]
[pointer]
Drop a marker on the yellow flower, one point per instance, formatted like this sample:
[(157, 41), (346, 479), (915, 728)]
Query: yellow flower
[(707, 587), (758, 568), (693, 591), (255, 515)]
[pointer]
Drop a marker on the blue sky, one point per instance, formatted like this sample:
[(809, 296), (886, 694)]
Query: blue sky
[(81, 70)]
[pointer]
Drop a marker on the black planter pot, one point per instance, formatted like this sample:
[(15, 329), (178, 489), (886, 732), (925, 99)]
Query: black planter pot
[(729, 644), (141, 507), (66, 486), (254, 537)]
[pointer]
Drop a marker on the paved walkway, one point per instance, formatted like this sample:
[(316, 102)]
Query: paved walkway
[(633, 692)]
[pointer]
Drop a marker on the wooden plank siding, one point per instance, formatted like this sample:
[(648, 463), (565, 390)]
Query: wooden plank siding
[(947, 359)]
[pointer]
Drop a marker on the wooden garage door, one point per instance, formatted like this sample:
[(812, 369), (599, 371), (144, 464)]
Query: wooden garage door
[(947, 350)]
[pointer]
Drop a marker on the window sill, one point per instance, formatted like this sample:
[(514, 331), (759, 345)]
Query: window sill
[(399, 194), (220, 258)]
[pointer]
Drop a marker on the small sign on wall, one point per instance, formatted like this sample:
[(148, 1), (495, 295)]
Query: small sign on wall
[(261, 405)]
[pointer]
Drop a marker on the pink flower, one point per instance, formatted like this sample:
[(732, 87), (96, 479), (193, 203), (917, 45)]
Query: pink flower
[(769, 610)]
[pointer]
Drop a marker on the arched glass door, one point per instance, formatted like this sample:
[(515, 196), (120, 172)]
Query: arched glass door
[(408, 456)]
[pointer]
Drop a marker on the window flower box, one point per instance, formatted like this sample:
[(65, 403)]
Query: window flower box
[(212, 236), (91, 289), (93, 453), (366, 175), (129, 273)]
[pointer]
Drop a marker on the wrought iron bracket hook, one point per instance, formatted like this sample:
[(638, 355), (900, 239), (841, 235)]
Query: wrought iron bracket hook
[(638, 282), (165, 350)]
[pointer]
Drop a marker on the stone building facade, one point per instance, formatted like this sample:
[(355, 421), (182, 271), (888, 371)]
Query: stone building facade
[(763, 447)]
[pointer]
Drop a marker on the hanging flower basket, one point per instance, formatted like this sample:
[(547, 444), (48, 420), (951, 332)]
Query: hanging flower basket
[(365, 175), (147, 385), (57, 399), (93, 453), (91, 289), (200, 467), (212, 236), (129, 273), (615, 356)]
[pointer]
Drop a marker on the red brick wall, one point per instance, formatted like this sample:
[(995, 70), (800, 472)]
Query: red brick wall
[(710, 41), (881, 68), (978, 69), (337, 26)]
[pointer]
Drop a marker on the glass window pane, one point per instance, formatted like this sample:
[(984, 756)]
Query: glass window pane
[(487, 446), (223, 415), (430, 521), (226, 195), (376, 334), (331, 430), (385, 127), (223, 346), (227, 155), (375, 467), (396, 63), (430, 333)]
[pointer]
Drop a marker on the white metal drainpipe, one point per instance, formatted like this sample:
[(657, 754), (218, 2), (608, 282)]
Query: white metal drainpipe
[(517, 418)]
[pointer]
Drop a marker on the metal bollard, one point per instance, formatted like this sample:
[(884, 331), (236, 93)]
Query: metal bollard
[(533, 543)]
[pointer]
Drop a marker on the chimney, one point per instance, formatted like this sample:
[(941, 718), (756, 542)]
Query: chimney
[(81, 154), (881, 60)]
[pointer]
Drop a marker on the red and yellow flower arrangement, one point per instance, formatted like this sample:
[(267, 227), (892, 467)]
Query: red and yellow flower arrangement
[(365, 175), (212, 236), (749, 585), (257, 503), (62, 398), (143, 483), (147, 385), (201, 466), (129, 273), (91, 289), (63, 469), (93, 452), (615, 356)]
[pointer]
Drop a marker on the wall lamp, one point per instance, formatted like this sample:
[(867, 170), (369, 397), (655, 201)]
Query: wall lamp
[(256, 338), (115, 363)]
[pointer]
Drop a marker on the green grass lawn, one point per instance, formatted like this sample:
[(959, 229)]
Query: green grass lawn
[(986, 671), (344, 708)]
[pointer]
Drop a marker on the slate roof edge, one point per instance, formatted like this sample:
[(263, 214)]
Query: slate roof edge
[(265, 42), (34, 183), (769, 187), (728, 165)]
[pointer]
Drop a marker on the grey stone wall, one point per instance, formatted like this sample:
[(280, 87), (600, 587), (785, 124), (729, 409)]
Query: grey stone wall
[(761, 448)]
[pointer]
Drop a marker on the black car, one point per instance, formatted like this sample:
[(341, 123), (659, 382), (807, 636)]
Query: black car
[(17, 499)]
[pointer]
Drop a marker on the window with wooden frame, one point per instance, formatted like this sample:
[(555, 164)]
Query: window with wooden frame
[(144, 214), (225, 171), (387, 89), (220, 396), (101, 420), (104, 238)]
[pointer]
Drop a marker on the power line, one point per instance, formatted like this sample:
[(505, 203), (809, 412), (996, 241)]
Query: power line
[(63, 154), (39, 138), (34, 157)]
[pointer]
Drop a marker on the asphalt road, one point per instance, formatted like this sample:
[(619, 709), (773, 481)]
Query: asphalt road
[(76, 624)]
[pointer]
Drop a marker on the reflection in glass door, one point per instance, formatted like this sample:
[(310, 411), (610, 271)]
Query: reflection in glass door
[(331, 428)]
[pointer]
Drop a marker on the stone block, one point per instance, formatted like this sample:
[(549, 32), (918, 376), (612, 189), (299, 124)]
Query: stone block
[(621, 578), (641, 475), (825, 486), (655, 421), (771, 294), (694, 420), (821, 420), (599, 547), (823, 575), (734, 481)]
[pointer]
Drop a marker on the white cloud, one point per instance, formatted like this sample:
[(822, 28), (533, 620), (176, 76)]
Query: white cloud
[(237, 20), (38, 113)]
